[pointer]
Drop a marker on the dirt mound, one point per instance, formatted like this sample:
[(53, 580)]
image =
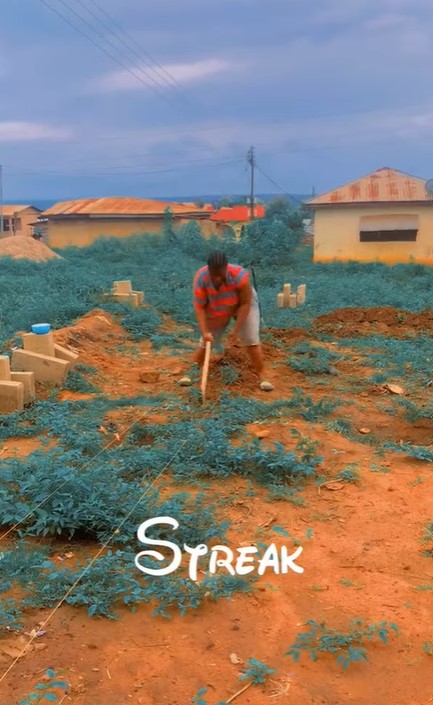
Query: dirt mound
[(381, 320), (22, 247), (96, 325)]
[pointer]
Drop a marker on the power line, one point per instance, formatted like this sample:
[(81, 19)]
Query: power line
[(109, 172), (102, 48), (278, 185), (101, 35), (132, 40), (148, 156)]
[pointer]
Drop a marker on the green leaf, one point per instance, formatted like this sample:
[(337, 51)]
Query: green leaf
[(59, 684)]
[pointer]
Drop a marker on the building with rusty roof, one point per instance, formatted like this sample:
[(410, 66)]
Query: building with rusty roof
[(79, 223), (235, 218), (17, 219), (385, 217)]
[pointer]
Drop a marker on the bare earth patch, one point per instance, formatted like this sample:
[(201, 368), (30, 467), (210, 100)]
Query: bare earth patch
[(362, 555)]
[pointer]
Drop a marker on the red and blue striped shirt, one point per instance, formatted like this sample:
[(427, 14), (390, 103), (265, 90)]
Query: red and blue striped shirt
[(222, 302)]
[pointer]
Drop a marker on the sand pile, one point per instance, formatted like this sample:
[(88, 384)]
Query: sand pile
[(22, 247)]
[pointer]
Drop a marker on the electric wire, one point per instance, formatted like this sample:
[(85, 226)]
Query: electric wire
[(102, 48)]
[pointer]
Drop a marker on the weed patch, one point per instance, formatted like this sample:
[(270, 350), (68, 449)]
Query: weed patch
[(348, 647)]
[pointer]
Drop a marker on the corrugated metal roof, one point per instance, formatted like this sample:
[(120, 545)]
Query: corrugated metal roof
[(10, 210), (237, 214), (120, 206), (382, 186)]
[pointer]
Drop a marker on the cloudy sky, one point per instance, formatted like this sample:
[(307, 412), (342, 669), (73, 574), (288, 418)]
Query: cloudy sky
[(140, 98)]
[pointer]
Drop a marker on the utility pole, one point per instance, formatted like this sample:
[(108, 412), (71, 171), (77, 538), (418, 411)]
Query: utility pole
[(251, 159), (1, 200)]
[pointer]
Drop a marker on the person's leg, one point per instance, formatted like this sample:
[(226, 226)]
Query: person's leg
[(250, 337), (199, 355)]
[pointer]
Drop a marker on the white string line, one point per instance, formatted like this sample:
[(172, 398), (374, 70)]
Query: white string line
[(83, 467), (104, 546)]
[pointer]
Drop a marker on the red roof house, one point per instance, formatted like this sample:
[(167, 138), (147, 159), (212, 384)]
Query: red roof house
[(237, 214)]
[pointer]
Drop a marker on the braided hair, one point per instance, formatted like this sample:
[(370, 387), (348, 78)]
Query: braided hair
[(217, 260)]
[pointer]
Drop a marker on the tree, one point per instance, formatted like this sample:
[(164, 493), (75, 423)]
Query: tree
[(280, 209)]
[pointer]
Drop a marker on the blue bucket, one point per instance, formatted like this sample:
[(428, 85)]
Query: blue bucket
[(41, 328)]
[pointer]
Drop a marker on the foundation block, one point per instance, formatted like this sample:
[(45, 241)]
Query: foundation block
[(301, 294), (65, 354), (27, 379), (11, 397), (131, 299), (287, 291), (139, 296), (5, 369), (122, 287), (45, 368), (42, 344)]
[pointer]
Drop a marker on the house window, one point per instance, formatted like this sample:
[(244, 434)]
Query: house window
[(388, 228), (7, 225)]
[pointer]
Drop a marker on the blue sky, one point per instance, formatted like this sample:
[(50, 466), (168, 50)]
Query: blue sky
[(326, 91)]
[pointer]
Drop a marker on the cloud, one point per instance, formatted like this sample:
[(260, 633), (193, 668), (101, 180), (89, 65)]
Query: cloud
[(186, 73), (31, 132)]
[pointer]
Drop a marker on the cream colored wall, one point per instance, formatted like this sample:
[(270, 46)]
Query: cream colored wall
[(26, 217), (336, 235), (81, 233)]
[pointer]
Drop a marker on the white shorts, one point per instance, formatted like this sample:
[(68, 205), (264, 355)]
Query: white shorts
[(249, 333)]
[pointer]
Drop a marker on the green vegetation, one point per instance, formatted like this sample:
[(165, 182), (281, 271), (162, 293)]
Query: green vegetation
[(87, 489), (45, 691), (348, 646), (256, 673)]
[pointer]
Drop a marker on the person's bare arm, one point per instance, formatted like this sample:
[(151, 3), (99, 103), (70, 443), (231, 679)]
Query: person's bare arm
[(246, 297), (202, 322)]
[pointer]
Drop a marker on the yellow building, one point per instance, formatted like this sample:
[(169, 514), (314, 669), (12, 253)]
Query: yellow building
[(384, 217), (18, 220), (79, 223)]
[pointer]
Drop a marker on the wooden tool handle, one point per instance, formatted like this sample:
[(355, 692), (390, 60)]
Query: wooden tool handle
[(205, 369)]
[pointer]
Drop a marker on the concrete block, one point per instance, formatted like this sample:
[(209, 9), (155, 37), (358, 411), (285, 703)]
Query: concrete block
[(5, 369), (27, 379), (140, 296), (42, 344), (11, 397), (65, 354), (287, 290), (301, 294), (293, 301), (280, 300), (123, 287), (130, 299), (45, 368)]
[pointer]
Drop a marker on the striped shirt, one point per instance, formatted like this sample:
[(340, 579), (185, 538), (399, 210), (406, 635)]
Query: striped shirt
[(222, 302)]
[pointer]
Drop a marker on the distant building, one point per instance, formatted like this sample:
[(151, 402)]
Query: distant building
[(18, 220), (384, 217), (235, 217), (79, 223)]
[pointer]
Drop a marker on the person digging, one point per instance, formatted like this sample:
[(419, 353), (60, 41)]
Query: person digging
[(222, 292)]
